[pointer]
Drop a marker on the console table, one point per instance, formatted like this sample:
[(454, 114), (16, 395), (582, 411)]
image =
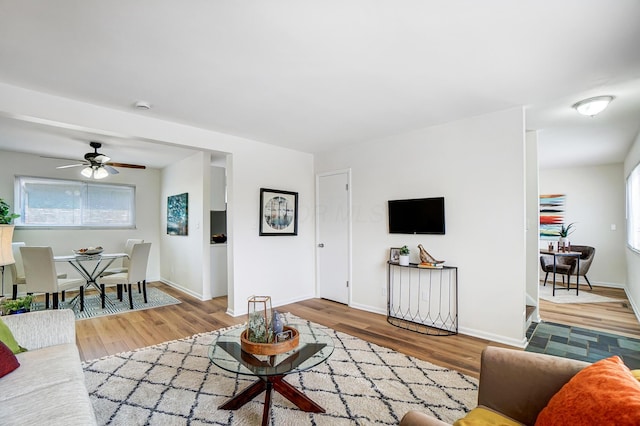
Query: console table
[(424, 300)]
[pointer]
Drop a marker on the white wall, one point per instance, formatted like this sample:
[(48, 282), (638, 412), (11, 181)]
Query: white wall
[(278, 266), (63, 241), (533, 224), (632, 257), (478, 165), (282, 267), (595, 200), (183, 262)]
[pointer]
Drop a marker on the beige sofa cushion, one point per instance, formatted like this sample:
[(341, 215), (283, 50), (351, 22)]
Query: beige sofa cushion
[(62, 404), (40, 369)]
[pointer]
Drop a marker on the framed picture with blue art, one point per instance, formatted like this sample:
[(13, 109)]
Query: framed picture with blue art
[(178, 214), (278, 212)]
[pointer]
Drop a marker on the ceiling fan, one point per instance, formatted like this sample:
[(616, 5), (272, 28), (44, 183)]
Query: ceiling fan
[(97, 165)]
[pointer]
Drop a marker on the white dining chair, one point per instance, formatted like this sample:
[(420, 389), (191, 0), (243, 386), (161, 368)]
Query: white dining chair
[(17, 268), (41, 276), (128, 247), (136, 273)]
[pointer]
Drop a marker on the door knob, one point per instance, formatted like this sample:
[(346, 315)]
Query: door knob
[(321, 245)]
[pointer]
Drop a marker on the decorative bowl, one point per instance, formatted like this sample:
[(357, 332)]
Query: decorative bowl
[(270, 348), (88, 251)]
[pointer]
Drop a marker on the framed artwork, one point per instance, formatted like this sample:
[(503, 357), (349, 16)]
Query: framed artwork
[(278, 212), (394, 255), (551, 215), (178, 214)]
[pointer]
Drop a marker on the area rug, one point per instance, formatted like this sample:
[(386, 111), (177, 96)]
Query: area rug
[(564, 296), (361, 384), (583, 344), (93, 308)]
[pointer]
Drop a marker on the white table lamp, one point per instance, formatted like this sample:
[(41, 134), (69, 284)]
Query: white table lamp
[(6, 253)]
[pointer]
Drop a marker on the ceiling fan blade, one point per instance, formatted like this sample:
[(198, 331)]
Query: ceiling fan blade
[(110, 169), (60, 158), (72, 165), (125, 165)]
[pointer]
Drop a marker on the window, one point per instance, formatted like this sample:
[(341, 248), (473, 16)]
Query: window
[(45, 202), (633, 209)]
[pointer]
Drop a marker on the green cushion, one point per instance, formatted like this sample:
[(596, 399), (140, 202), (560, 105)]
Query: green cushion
[(7, 338)]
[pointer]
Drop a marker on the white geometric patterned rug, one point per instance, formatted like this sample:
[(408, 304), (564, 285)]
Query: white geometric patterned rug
[(174, 383)]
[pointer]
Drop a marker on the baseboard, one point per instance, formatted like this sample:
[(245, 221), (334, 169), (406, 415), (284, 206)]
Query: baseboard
[(183, 289), (633, 305), (493, 337), (368, 308)]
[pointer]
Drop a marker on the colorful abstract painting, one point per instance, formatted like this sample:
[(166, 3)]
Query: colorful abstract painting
[(551, 215), (178, 214)]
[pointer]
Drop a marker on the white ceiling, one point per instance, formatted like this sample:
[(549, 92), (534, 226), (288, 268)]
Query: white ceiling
[(315, 75)]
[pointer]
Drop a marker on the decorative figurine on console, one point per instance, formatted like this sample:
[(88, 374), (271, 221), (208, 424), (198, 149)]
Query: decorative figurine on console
[(428, 261), (426, 257)]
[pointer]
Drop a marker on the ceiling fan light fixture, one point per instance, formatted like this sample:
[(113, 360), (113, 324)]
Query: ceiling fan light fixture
[(100, 173), (87, 172), (593, 106)]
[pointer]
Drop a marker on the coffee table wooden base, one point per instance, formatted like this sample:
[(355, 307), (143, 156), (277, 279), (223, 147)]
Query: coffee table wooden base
[(270, 384)]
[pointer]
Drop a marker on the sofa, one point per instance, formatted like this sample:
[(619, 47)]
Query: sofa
[(48, 387), (518, 387)]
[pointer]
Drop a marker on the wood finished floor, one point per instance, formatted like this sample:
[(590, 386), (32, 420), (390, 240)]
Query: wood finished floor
[(98, 337)]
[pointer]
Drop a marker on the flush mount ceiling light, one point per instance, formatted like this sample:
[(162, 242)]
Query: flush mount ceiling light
[(593, 106)]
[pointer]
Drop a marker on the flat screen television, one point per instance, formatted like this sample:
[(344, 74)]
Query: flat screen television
[(416, 216)]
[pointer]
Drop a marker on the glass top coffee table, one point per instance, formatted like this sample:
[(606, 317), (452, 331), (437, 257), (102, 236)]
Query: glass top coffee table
[(315, 347)]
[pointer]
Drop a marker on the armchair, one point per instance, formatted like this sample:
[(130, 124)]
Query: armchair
[(567, 265), (514, 384)]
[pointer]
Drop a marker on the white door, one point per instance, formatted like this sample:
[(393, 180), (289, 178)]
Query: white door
[(333, 254)]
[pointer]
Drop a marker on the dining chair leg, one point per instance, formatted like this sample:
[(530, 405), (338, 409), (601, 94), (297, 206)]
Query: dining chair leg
[(119, 291), (545, 279), (139, 290), (81, 298), (46, 301), (55, 300), (102, 296), (63, 295), (14, 294), (130, 296), (144, 290)]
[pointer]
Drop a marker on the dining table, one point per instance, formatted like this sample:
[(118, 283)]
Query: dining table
[(91, 267)]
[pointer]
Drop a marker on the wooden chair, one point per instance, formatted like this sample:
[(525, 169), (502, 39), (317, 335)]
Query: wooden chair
[(136, 273), (41, 276)]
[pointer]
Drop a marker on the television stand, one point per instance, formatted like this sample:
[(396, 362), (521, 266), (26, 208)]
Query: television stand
[(424, 300)]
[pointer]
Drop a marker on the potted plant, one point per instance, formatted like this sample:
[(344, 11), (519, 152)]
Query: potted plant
[(19, 305), (5, 216), (404, 256), (564, 233)]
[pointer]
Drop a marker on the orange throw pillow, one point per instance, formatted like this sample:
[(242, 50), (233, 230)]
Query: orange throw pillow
[(604, 393)]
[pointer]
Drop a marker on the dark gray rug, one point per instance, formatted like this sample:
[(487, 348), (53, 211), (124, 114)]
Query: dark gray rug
[(582, 344), (175, 383)]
